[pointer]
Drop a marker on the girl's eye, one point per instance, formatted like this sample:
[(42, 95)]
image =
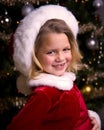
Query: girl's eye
[(51, 52), (66, 49)]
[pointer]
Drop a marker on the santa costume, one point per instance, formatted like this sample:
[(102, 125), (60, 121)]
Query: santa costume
[(55, 102)]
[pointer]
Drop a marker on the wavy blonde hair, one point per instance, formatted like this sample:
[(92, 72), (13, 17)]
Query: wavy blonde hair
[(55, 26)]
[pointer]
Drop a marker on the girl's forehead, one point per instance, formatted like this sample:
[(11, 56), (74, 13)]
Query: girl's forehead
[(54, 40), (55, 37)]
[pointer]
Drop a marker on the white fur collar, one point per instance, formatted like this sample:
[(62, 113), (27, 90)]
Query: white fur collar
[(64, 82)]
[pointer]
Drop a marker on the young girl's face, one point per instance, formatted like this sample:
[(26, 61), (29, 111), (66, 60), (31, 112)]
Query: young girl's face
[(54, 54)]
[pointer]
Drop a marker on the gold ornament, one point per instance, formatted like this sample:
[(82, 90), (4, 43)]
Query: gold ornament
[(87, 89)]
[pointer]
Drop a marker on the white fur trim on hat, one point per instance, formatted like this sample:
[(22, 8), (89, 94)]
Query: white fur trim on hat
[(26, 33)]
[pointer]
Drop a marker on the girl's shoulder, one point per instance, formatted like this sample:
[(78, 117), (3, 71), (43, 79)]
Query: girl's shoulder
[(53, 93), (47, 90)]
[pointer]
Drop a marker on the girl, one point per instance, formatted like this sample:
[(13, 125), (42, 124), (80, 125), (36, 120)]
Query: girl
[(47, 54)]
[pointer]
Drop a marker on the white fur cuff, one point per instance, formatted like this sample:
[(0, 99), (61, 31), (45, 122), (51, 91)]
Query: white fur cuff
[(94, 114)]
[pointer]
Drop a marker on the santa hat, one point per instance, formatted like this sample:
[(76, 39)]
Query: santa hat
[(26, 33)]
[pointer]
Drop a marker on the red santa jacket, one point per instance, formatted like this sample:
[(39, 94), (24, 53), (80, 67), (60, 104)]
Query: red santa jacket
[(51, 108)]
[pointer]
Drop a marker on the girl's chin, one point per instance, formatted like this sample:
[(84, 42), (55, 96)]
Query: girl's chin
[(58, 74)]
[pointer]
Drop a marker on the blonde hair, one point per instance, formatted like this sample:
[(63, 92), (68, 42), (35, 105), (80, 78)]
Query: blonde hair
[(55, 26)]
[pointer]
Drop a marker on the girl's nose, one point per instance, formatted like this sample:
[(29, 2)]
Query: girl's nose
[(59, 57)]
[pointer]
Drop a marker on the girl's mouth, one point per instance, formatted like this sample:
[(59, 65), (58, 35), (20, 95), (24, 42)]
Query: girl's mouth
[(59, 66)]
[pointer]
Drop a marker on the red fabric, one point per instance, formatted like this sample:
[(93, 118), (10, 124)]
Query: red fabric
[(52, 109)]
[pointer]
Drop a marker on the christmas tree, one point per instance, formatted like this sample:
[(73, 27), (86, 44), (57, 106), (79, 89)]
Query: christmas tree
[(91, 43)]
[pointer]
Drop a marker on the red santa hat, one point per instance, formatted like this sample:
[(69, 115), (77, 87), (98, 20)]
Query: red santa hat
[(26, 33)]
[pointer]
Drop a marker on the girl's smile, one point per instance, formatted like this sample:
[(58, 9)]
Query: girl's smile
[(55, 53)]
